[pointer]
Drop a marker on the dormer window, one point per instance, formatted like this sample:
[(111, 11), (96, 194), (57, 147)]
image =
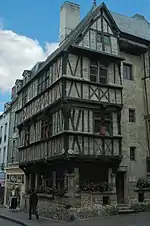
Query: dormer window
[(98, 73)]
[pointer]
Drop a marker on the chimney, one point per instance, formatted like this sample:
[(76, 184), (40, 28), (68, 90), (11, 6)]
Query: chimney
[(69, 19)]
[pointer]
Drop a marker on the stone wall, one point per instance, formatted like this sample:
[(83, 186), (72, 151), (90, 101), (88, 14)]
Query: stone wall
[(46, 202), (146, 192), (89, 198), (134, 133)]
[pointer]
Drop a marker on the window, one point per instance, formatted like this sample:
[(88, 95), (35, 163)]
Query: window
[(14, 144), (1, 128), (99, 37), (132, 153), (94, 71), (43, 81), (24, 97), (107, 40), (5, 133), (46, 79), (4, 154), (103, 123), (98, 73), (27, 136), (15, 122), (103, 75), (46, 129), (127, 72), (131, 115)]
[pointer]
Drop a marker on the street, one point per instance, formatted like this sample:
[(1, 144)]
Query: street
[(6, 223), (140, 219)]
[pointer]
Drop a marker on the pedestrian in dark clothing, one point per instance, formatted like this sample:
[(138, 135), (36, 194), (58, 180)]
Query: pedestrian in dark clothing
[(33, 201)]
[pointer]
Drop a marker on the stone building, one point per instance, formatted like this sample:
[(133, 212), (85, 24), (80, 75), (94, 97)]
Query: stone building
[(14, 175), (83, 115), (4, 128)]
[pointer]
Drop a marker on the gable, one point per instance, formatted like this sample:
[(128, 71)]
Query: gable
[(100, 33)]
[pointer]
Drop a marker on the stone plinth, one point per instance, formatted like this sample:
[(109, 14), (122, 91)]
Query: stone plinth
[(89, 198), (46, 202), (146, 192)]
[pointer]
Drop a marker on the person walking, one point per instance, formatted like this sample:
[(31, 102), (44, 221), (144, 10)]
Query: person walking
[(33, 201), (13, 200)]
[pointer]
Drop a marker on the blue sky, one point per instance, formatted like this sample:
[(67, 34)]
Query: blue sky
[(39, 20)]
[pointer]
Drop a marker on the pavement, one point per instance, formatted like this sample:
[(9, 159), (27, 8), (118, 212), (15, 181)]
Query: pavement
[(140, 219), (6, 223), (22, 219)]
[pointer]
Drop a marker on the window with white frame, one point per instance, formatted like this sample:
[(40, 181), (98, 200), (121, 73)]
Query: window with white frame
[(98, 73)]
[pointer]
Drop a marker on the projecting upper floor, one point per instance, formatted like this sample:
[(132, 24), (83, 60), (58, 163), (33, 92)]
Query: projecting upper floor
[(76, 130), (83, 78)]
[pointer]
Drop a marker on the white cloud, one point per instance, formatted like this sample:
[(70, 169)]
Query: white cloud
[(1, 112), (17, 53)]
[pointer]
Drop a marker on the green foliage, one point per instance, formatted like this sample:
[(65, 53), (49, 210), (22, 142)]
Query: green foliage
[(143, 183), (140, 207), (95, 187), (60, 213)]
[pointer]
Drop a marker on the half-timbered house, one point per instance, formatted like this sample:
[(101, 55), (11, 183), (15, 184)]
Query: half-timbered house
[(73, 110)]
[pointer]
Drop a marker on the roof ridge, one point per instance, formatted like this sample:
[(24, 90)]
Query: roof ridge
[(130, 17)]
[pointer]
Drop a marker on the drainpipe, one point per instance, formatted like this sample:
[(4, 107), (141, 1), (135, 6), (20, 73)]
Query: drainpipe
[(146, 105)]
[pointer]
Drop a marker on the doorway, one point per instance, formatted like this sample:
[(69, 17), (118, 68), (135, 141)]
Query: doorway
[(120, 187)]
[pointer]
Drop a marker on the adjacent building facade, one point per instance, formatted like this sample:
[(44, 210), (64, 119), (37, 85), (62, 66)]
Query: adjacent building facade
[(83, 115), (4, 137), (14, 175)]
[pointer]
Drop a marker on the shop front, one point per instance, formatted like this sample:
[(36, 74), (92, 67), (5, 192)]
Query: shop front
[(15, 179)]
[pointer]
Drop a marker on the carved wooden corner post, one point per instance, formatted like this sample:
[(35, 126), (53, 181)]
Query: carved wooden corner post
[(66, 111), (102, 110), (54, 179), (76, 172)]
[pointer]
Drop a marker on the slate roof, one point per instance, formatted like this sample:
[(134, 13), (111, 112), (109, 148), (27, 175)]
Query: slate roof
[(132, 26), (128, 25)]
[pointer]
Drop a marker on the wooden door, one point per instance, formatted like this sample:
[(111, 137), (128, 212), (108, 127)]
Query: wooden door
[(120, 187)]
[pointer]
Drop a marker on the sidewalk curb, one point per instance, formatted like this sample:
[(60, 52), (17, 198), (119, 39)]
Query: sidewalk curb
[(13, 220)]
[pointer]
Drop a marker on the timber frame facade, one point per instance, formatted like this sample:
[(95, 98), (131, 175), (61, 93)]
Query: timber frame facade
[(69, 112)]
